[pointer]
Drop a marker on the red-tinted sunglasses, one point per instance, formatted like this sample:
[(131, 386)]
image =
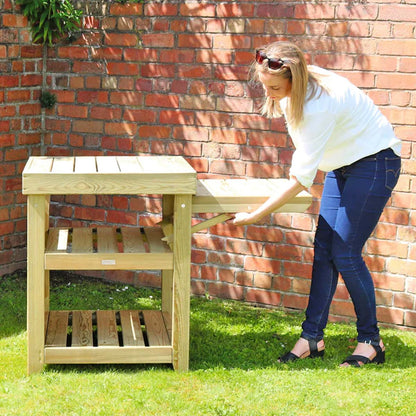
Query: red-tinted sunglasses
[(271, 62)]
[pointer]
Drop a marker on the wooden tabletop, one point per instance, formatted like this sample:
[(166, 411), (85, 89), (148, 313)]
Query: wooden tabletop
[(44, 175)]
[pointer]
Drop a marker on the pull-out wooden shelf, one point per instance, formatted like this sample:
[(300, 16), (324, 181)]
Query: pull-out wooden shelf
[(103, 336), (104, 248)]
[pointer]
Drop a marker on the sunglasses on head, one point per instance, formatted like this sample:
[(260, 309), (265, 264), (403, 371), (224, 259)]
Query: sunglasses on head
[(272, 63)]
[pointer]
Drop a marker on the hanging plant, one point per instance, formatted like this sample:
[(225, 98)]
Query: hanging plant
[(47, 99), (50, 19)]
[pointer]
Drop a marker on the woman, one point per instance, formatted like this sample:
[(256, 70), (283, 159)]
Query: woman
[(335, 128)]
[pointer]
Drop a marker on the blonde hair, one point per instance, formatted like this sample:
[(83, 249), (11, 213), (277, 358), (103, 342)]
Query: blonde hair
[(296, 70)]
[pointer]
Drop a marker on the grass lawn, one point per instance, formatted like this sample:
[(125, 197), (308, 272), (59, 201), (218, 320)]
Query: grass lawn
[(233, 364)]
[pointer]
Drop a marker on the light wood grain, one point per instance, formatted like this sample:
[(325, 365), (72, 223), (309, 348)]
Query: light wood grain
[(82, 335), (107, 334), (131, 328)]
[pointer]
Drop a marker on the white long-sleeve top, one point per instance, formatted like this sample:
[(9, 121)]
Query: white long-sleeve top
[(338, 129)]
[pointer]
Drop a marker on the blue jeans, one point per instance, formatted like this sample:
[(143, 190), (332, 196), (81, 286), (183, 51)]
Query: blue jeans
[(353, 199)]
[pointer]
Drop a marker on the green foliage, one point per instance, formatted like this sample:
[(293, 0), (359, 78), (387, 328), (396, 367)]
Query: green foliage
[(50, 19), (47, 99)]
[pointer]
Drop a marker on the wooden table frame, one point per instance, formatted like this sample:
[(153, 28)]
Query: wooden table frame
[(171, 177)]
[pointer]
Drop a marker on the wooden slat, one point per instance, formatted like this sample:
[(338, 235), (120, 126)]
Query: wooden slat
[(155, 328), (108, 261), (82, 329), (154, 238), (107, 164), (56, 334), (131, 328), (82, 240), (107, 240), (108, 355), (132, 240), (57, 240), (167, 318), (85, 164), (63, 165), (165, 164), (38, 164), (128, 164), (107, 334)]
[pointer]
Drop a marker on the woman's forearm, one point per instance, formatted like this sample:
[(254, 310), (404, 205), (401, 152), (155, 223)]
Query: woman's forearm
[(272, 204)]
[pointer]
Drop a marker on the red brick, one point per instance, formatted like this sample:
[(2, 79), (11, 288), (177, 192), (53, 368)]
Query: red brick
[(129, 9), (105, 113), (122, 68), (410, 318), (176, 117), (155, 132), (29, 138), (73, 52), (144, 116), (194, 41), (342, 308), (295, 301), (297, 269), (263, 296), (129, 98), (227, 291), (31, 51), (75, 111), (274, 11), (88, 126), (120, 39), (158, 70), (235, 10), (8, 81), (82, 67), (228, 167), (120, 128), (161, 9), (397, 12), (162, 100), (397, 47), (390, 315), (228, 136), (197, 9)]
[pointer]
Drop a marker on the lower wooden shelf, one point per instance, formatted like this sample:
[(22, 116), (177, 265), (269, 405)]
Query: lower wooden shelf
[(107, 336)]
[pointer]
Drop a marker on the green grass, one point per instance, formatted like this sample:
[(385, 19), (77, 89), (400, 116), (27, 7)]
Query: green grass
[(233, 364)]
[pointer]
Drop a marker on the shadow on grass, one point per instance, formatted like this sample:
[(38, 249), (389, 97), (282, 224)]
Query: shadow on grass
[(224, 334)]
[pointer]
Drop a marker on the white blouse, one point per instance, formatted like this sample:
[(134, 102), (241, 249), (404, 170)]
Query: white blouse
[(337, 130)]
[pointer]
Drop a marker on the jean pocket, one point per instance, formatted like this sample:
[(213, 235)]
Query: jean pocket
[(392, 172)]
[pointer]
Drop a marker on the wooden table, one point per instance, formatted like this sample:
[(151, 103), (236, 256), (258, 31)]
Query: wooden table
[(97, 336)]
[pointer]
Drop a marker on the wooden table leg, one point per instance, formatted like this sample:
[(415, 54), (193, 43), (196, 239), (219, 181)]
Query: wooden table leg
[(181, 280), (36, 282)]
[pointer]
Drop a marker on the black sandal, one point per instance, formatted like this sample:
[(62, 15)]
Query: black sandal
[(313, 352), (380, 358)]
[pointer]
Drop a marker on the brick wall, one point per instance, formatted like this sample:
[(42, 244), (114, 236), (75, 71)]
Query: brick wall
[(20, 123), (171, 78)]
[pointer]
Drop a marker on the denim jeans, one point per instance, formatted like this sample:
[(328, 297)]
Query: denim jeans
[(353, 199)]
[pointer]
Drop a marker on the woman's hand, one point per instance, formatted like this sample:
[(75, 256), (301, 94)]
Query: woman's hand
[(244, 218)]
